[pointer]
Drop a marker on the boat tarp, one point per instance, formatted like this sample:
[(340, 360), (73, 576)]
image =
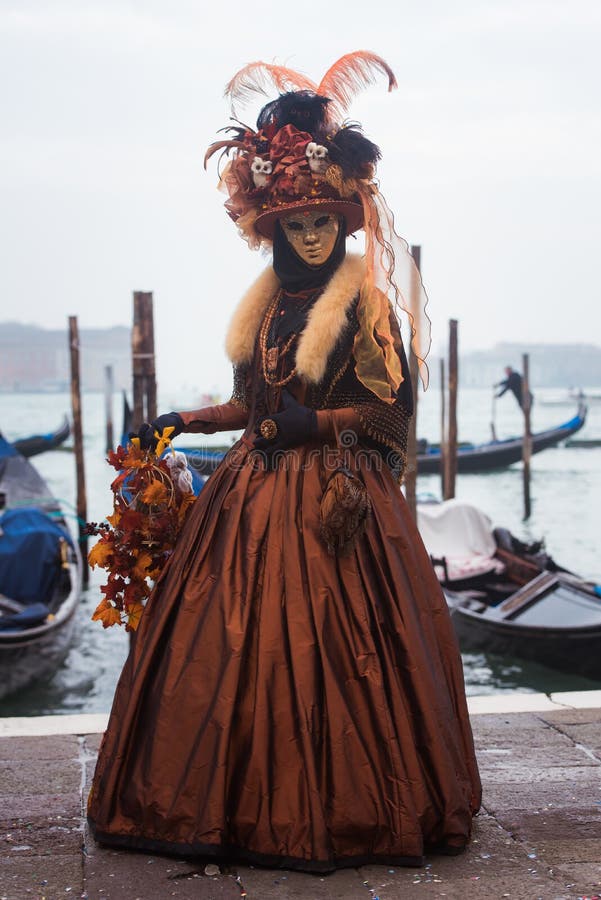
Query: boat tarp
[(29, 555), (20, 482), (460, 533), (30, 617)]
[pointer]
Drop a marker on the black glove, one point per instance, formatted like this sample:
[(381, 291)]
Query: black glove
[(167, 420), (296, 425)]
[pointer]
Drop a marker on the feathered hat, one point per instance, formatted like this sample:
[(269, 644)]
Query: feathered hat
[(303, 154)]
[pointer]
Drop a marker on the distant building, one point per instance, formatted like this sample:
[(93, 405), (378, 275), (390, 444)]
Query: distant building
[(37, 359), (551, 365)]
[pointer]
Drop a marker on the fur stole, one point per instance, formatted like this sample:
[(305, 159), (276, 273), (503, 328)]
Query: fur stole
[(324, 325)]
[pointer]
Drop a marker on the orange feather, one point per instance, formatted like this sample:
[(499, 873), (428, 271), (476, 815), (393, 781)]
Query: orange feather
[(257, 76), (351, 74)]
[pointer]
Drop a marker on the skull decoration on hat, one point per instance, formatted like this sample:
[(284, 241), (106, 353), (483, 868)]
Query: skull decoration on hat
[(303, 156)]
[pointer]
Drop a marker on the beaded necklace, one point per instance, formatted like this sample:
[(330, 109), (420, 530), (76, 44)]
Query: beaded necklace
[(270, 356)]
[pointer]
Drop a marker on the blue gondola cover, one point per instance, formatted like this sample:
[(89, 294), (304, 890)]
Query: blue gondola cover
[(29, 555)]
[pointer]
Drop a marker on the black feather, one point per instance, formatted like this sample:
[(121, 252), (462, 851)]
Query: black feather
[(303, 109), (234, 132), (352, 151)]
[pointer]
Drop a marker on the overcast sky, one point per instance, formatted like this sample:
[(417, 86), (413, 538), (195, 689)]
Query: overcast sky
[(491, 160)]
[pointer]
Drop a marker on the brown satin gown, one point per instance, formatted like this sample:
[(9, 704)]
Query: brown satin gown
[(286, 707)]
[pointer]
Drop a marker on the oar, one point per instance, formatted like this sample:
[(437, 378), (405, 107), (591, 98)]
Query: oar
[(493, 429)]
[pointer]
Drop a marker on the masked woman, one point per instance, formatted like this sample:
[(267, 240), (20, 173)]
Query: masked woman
[(294, 696)]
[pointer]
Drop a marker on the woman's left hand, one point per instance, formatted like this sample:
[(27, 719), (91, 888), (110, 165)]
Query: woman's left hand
[(295, 425), (149, 433)]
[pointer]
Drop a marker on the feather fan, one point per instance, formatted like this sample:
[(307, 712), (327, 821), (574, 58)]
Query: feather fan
[(351, 74), (257, 76)]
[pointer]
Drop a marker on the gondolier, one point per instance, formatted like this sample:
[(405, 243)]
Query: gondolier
[(515, 383)]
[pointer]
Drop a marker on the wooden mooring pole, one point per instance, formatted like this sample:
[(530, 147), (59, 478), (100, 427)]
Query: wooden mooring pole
[(108, 406), (143, 360), (80, 503), (443, 428), (527, 448), (411, 470), (451, 448)]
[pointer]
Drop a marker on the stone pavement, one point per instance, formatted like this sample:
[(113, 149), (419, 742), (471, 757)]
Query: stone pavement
[(538, 835)]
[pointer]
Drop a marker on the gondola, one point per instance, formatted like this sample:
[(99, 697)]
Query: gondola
[(499, 454), (470, 457), (39, 443), (40, 576), (510, 598)]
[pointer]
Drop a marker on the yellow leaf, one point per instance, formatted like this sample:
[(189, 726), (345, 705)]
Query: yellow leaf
[(101, 554), (107, 614)]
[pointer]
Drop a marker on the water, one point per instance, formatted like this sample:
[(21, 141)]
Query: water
[(566, 491)]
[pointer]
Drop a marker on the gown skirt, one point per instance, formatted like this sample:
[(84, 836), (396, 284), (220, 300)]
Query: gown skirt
[(286, 707)]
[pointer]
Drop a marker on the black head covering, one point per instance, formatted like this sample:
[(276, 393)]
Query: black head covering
[(295, 274)]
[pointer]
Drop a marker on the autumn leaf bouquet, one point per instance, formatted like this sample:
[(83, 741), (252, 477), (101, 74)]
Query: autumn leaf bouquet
[(151, 497)]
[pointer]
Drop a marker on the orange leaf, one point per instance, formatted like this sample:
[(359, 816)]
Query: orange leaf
[(143, 562), (106, 613), (134, 614), (134, 458), (114, 519), (155, 493), (101, 554)]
